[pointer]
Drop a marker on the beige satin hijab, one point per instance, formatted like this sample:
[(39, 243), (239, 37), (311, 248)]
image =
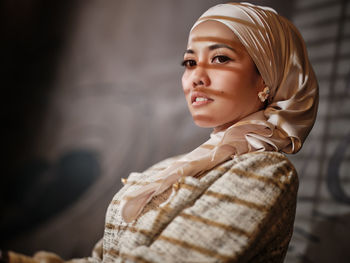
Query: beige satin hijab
[(279, 53)]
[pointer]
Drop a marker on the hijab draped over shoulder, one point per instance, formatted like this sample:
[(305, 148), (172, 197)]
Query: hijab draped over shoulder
[(279, 53)]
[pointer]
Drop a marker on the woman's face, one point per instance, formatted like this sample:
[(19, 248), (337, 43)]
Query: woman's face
[(220, 81)]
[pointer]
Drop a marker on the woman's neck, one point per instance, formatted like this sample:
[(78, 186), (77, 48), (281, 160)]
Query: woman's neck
[(223, 127)]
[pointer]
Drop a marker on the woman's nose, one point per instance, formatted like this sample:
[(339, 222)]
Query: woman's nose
[(200, 76)]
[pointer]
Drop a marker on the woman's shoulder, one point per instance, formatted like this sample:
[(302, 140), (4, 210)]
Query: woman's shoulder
[(263, 160), (272, 169), (269, 165), (253, 161)]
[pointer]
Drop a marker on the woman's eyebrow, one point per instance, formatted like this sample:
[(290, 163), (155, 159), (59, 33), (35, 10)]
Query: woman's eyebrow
[(212, 47), (188, 51), (216, 46)]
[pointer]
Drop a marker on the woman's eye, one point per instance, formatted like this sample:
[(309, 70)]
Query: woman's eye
[(221, 59), (189, 63)]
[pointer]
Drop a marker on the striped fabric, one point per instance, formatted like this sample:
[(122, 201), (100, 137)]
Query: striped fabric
[(241, 211)]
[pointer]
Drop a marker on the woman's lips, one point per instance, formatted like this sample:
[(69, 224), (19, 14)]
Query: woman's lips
[(200, 98)]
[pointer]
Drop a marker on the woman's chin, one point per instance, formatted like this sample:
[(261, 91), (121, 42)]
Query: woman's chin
[(204, 125), (200, 122), (216, 126)]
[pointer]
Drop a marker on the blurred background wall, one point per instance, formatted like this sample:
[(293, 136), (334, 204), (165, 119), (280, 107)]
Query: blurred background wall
[(92, 91)]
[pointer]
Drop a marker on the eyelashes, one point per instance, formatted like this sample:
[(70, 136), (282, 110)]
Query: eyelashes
[(218, 59), (188, 63), (221, 59)]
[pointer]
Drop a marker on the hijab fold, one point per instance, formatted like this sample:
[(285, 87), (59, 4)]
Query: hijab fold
[(279, 53)]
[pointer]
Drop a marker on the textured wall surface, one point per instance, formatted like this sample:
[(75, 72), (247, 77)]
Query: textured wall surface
[(93, 92), (323, 212)]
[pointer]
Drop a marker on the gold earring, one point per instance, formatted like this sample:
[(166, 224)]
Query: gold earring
[(263, 95)]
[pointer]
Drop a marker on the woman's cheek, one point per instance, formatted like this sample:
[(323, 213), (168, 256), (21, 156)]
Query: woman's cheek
[(185, 83)]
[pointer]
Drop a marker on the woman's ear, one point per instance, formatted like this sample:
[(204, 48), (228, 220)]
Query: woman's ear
[(263, 92)]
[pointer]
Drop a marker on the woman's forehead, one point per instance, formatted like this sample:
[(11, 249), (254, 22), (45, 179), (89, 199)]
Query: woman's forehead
[(212, 28), (213, 32)]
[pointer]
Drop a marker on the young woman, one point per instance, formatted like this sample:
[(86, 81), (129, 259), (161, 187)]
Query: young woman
[(233, 198)]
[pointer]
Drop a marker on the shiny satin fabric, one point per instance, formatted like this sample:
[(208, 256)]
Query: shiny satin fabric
[(279, 52)]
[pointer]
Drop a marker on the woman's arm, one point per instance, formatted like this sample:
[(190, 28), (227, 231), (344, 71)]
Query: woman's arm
[(246, 215)]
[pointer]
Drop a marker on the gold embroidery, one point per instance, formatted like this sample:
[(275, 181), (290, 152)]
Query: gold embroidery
[(233, 199), (264, 179), (191, 246), (216, 224)]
